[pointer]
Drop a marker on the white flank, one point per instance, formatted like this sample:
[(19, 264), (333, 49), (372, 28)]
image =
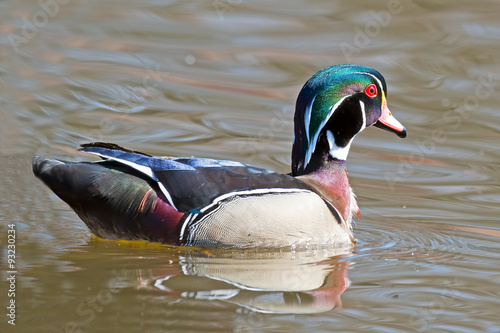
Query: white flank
[(223, 197)]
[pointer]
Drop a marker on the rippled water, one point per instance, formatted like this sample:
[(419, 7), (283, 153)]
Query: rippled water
[(219, 79)]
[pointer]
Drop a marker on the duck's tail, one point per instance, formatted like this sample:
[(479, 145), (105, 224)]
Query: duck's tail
[(113, 201)]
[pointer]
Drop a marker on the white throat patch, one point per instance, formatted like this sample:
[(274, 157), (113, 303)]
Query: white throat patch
[(340, 153), (312, 143)]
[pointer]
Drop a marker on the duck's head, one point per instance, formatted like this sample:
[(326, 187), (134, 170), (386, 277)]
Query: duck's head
[(335, 104)]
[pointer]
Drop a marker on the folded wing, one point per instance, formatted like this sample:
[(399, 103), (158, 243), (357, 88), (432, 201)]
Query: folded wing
[(189, 184)]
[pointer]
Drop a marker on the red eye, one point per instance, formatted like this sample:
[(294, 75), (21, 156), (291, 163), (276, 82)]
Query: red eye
[(371, 91)]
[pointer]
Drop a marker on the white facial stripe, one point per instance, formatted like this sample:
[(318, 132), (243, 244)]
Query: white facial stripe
[(307, 116), (342, 152), (312, 144), (339, 152), (381, 87), (363, 115)]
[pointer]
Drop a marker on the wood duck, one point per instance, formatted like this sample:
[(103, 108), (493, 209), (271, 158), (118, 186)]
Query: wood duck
[(218, 203)]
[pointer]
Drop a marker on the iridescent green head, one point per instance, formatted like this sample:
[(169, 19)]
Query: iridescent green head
[(335, 104)]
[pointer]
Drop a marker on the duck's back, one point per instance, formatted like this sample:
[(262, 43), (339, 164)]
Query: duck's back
[(188, 201)]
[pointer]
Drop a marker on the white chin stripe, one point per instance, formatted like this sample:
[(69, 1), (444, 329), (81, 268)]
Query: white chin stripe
[(340, 153), (331, 139), (312, 143), (337, 152)]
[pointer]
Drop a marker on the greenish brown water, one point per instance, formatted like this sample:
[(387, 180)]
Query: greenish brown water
[(219, 79)]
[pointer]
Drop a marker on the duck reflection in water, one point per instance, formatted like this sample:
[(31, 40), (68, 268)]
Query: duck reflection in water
[(293, 282)]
